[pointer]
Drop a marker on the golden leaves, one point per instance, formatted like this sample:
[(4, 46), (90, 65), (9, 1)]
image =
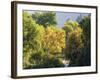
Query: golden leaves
[(54, 39)]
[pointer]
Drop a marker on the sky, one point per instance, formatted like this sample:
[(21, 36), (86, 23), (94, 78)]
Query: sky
[(62, 17)]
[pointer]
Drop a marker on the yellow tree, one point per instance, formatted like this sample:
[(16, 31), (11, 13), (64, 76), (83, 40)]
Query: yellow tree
[(54, 40)]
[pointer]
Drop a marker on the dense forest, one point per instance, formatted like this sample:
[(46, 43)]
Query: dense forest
[(45, 45)]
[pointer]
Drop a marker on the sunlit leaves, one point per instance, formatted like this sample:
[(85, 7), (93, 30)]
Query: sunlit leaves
[(70, 26), (54, 39), (32, 37)]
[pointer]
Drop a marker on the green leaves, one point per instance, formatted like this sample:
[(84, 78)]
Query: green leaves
[(70, 26), (32, 36), (39, 39), (45, 18)]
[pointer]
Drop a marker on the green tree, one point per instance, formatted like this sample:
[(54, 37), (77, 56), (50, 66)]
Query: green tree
[(45, 18), (85, 24), (32, 38), (74, 42)]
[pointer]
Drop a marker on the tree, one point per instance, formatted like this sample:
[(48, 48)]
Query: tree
[(54, 40), (45, 18), (69, 27), (74, 42), (85, 24), (32, 38), (75, 46), (78, 42)]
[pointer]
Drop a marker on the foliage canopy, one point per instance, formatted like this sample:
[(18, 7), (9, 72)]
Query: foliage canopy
[(44, 44)]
